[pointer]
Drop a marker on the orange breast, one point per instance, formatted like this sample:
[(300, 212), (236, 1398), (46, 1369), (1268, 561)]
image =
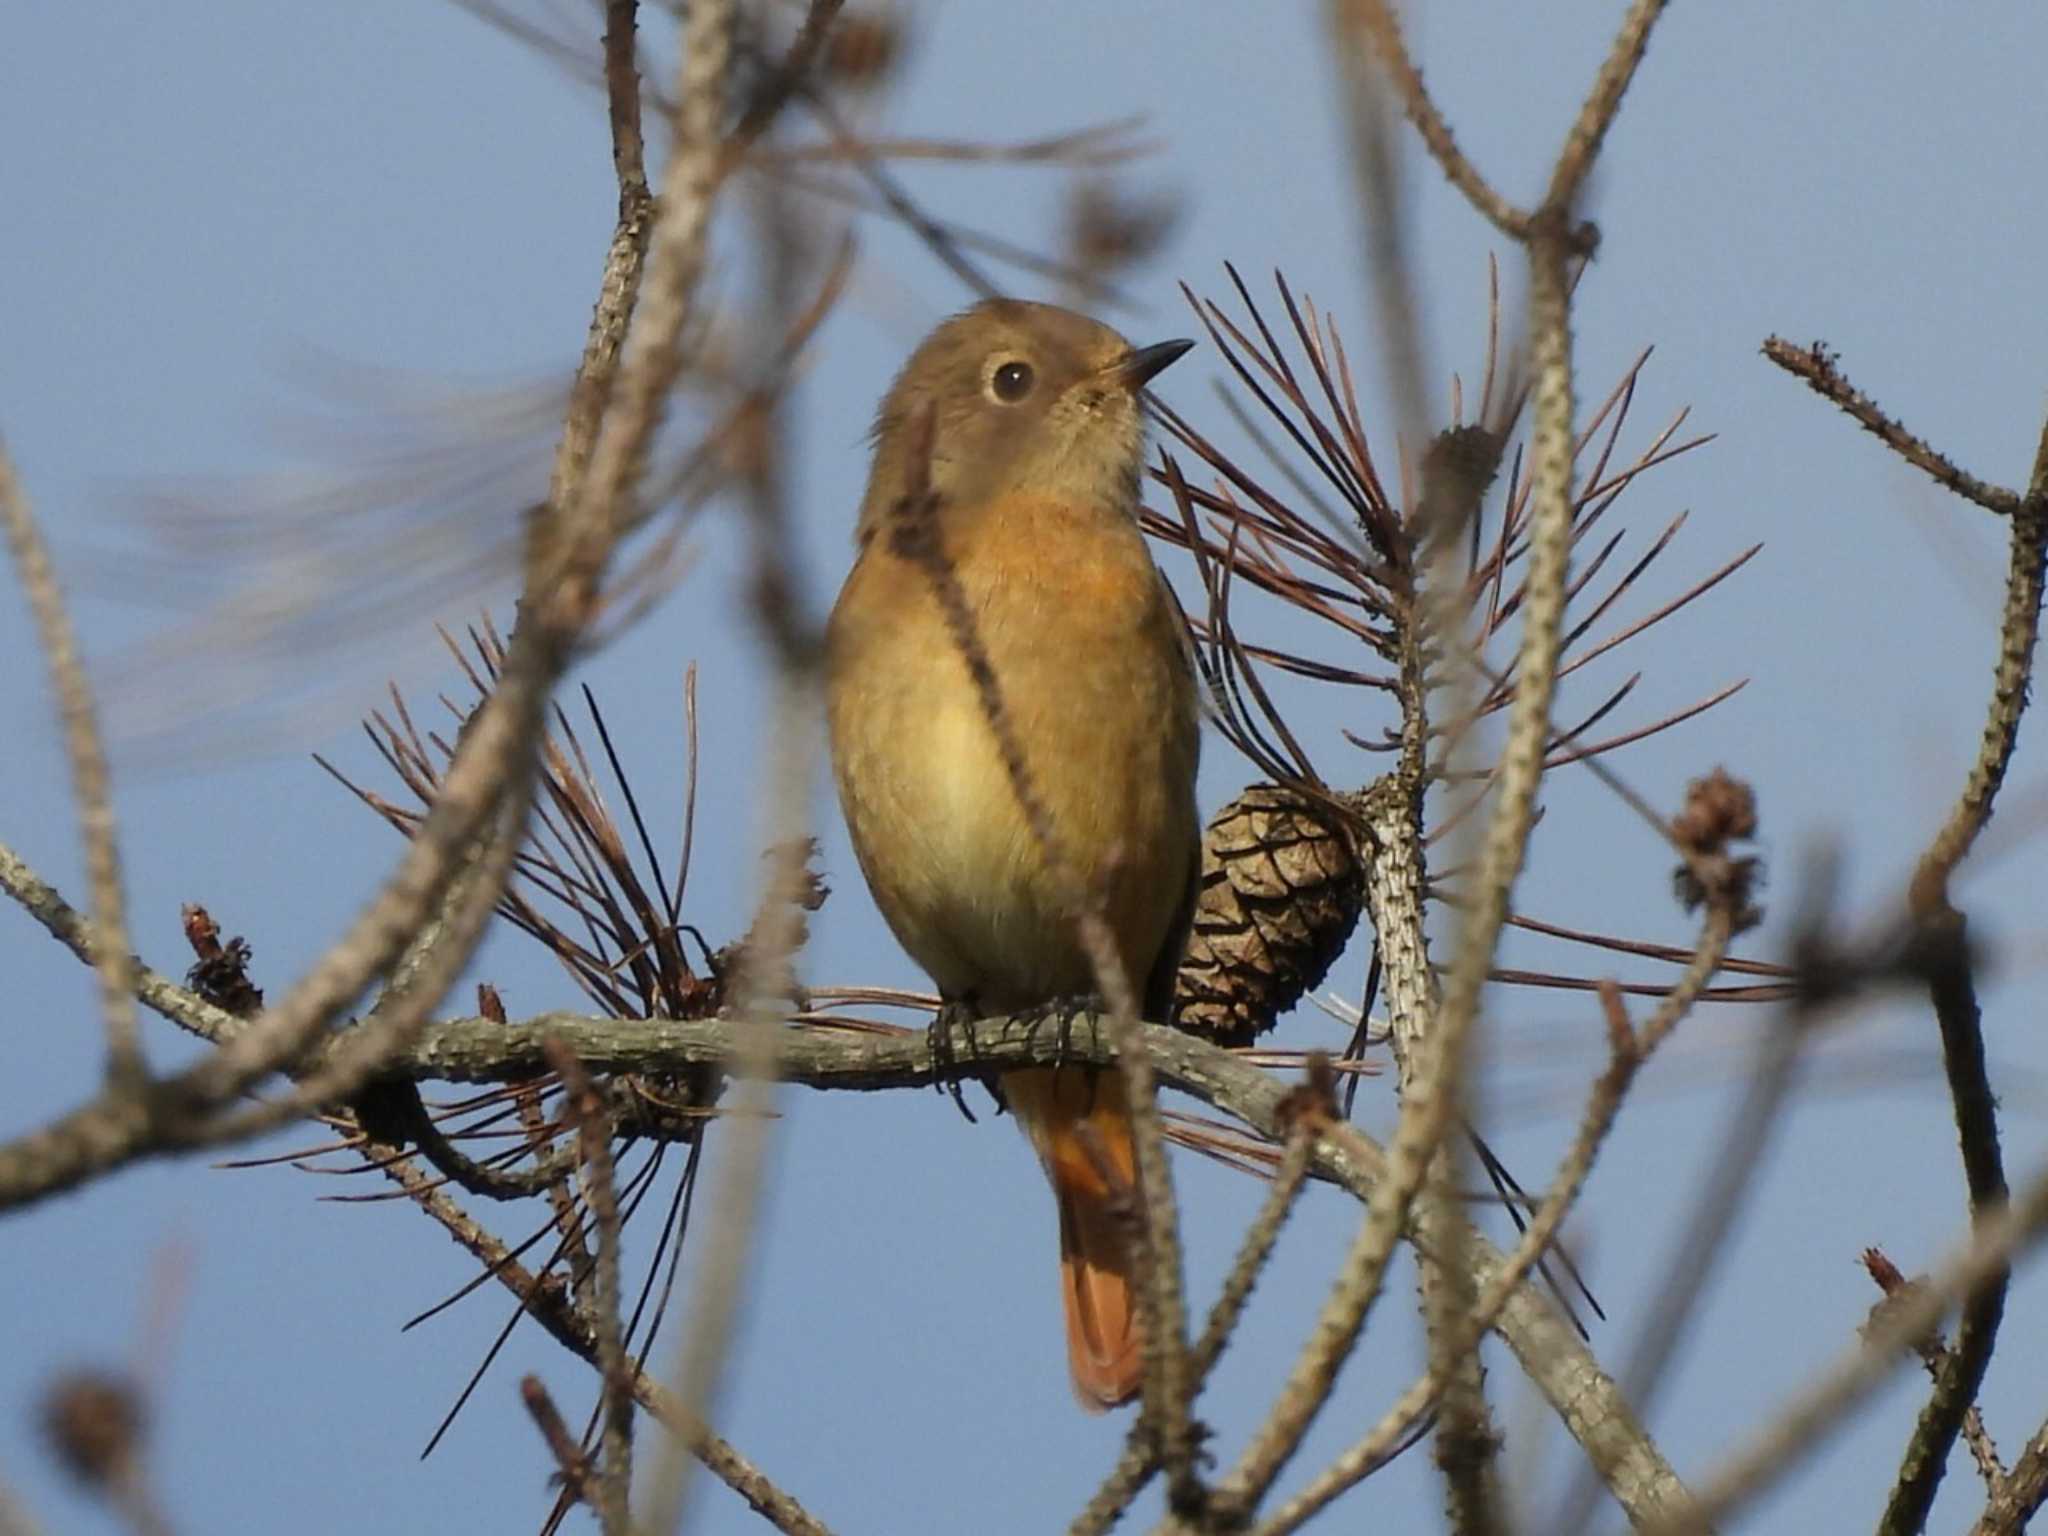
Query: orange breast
[(1086, 651)]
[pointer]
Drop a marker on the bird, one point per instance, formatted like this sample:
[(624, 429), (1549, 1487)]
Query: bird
[(1015, 433)]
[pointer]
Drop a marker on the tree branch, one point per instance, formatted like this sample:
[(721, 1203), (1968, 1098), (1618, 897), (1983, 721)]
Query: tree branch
[(1820, 367), (2010, 1509), (127, 1072), (824, 1057)]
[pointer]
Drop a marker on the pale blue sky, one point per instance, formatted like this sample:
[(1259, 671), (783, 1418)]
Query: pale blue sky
[(199, 201)]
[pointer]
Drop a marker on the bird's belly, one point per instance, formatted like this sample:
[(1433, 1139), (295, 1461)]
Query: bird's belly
[(947, 845)]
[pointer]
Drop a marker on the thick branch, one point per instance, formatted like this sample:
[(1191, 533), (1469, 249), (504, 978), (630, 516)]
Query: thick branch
[(486, 1050), (1571, 1380)]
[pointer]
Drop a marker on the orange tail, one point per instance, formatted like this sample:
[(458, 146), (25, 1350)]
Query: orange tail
[(1079, 1120)]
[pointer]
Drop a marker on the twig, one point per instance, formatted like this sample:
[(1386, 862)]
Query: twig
[(1953, 991), (600, 1195), (1824, 1406), (625, 261), (1935, 1354), (1596, 115), (492, 1050), (569, 551), (1629, 1050), (763, 984), (570, 1462), (2019, 625), (1819, 366), (1376, 20), (2012, 1507), (622, 106), (127, 1072), (1140, 1458), (916, 537), (75, 932), (550, 1310)]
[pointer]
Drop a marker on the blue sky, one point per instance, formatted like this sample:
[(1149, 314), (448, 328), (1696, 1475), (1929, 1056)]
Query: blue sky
[(211, 212)]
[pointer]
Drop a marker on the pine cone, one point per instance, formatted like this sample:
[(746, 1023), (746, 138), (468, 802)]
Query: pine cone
[(1280, 893)]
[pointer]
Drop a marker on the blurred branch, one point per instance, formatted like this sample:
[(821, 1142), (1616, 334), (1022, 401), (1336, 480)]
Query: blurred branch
[(1308, 1111), (1103, 145), (915, 537), (1953, 990), (570, 547), (788, 77), (1376, 20), (828, 1057), (126, 1072), (550, 1307), (1629, 1049), (763, 984), (1951, 981), (1822, 1407), (1935, 1354), (835, 1057), (600, 1193)]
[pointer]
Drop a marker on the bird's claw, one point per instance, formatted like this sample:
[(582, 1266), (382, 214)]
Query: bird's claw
[(955, 1011), (1061, 1012)]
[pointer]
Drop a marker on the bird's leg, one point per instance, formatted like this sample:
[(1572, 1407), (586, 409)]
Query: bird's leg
[(952, 1011)]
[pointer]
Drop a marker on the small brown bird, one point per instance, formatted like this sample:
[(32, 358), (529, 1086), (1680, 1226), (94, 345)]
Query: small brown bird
[(1022, 422)]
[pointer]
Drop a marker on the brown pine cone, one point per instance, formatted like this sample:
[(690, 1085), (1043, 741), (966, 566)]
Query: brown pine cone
[(1280, 893)]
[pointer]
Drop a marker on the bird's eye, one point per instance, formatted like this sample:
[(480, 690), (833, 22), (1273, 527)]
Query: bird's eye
[(1012, 382)]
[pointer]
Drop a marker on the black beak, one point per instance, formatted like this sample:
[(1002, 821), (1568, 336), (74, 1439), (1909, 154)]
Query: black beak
[(1141, 365)]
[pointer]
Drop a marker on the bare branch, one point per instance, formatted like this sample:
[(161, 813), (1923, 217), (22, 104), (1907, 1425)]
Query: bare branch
[(1819, 366), (1953, 990), (549, 1308), (1376, 20), (127, 1072), (570, 1463), (1629, 1050), (600, 1193), (2019, 627), (75, 932), (2012, 1507), (1823, 1407), (1936, 1356), (1596, 116), (916, 537)]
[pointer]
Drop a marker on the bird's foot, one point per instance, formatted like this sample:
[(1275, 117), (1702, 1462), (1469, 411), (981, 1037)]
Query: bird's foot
[(1061, 1012), (956, 1011)]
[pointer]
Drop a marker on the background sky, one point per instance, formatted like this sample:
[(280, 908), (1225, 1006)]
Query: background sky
[(214, 213)]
